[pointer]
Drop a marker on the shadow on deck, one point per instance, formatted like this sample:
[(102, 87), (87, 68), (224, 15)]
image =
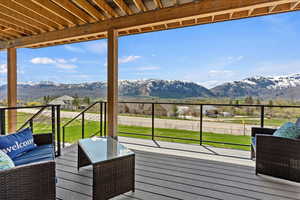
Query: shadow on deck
[(196, 173)]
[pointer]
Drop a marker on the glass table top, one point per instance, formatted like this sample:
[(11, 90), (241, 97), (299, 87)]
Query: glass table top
[(101, 149)]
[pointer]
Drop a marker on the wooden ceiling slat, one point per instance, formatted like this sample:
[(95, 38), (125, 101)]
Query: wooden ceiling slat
[(74, 10), (20, 17), (198, 12), (140, 5), (7, 36), (106, 8), (14, 27), (13, 33), (295, 4), (123, 6), (19, 23), (158, 3), (35, 8), (90, 9), (59, 11), (32, 15)]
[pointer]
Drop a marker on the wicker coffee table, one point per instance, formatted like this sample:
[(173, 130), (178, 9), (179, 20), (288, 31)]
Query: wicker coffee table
[(113, 166)]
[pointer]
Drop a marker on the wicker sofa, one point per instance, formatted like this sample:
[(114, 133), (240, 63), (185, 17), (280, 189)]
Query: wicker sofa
[(34, 175), (276, 156)]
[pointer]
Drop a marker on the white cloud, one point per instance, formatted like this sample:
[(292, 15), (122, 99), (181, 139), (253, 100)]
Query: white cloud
[(128, 59), (3, 68), (66, 66), (98, 47), (148, 68), (227, 61), (271, 68), (74, 49), (58, 62), (73, 59), (220, 72), (61, 60), (43, 60)]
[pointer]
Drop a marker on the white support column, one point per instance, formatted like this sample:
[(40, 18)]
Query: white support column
[(112, 83), (12, 88)]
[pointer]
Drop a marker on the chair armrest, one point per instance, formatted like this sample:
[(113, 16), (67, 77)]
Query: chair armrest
[(32, 181), (264, 131), (42, 139), (277, 156)]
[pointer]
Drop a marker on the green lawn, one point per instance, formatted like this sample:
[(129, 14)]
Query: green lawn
[(74, 132)]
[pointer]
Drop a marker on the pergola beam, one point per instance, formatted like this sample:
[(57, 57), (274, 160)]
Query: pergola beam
[(112, 82), (195, 10), (12, 88)]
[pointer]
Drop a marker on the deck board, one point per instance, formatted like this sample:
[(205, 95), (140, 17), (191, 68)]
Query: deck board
[(165, 177)]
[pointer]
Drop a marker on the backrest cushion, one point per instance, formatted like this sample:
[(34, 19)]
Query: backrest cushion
[(288, 130), (5, 161), (18, 143)]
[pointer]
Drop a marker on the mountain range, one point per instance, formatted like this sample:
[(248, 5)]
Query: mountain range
[(286, 87)]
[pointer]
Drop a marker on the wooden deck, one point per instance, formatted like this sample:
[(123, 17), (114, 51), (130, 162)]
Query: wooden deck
[(174, 174)]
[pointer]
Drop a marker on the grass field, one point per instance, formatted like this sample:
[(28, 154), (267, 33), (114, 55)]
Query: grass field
[(74, 132)]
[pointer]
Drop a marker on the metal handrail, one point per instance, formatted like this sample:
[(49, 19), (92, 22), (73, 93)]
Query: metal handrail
[(201, 140), (83, 111), (82, 114), (32, 118), (55, 121)]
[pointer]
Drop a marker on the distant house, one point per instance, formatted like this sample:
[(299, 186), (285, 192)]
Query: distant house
[(64, 101)]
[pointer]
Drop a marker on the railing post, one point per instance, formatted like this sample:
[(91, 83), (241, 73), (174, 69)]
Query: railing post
[(58, 129), (53, 125), (152, 105), (201, 123), (82, 126), (2, 122), (31, 125), (63, 142), (105, 105), (262, 116), (101, 119)]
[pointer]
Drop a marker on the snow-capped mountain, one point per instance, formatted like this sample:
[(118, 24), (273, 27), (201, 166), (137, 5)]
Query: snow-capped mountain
[(140, 88), (265, 87), (287, 87)]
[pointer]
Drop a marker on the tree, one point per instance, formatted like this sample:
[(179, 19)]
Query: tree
[(258, 102), (87, 100), (237, 102), (249, 100), (46, 99), (270, 108), (76, 102)]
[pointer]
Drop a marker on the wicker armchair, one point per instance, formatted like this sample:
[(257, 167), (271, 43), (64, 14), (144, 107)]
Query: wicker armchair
[(33, 181), (276, 156)]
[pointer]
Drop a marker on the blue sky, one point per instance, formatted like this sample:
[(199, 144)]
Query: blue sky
[(207, 54)]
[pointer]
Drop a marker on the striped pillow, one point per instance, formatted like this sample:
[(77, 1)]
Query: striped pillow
[(288, 130), (5, 161)]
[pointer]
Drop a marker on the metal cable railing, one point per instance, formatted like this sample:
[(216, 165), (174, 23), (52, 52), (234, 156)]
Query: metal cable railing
[(155, 121), (40, 119)]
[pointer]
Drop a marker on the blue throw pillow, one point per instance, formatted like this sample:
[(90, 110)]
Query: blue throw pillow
[(5, 161), (18, 143), (288, 130)]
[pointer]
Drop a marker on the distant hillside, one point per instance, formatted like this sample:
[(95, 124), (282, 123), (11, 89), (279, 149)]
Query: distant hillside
[(286, 87), (147, 88)]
